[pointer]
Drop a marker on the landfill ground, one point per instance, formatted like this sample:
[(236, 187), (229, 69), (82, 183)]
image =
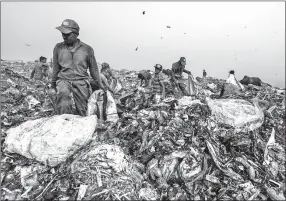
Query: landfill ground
[(166, 151)]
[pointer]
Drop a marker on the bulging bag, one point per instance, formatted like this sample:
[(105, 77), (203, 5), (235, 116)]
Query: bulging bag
[(102, 105), (51, 140)]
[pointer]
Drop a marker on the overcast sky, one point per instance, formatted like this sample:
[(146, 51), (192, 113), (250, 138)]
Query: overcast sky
[(248, 37)]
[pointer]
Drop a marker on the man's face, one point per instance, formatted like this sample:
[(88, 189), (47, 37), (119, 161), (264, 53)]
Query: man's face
[(69, 38), (157, 70), (44, 60)]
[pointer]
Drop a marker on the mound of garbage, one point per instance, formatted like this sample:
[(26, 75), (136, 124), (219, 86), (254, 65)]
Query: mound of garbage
[(203, 147)]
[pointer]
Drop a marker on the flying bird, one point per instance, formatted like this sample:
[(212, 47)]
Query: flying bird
[(245, 27), (226, 35), (161, 37), (168, 27), (143, 12), (136, 48), (27, 44), (184, 33)]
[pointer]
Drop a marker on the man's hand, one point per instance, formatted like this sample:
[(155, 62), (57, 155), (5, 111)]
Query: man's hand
[(104, 88)]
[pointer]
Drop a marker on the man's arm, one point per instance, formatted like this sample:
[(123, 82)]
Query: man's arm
[(105, 82), (111, 74), (56, 68), (93, 69), (186, 71)]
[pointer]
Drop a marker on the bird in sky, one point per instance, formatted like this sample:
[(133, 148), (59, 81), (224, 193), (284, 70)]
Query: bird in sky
[(161, 37), (27, 45), (143, 12), (184, 33), (168, 27), (136, 48)]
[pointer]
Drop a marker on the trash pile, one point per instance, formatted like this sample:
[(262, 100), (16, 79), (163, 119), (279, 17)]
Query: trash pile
[(188, 148)]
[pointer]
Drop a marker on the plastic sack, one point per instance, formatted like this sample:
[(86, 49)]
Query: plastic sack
[(96, 106), (240, 114), (116, 85), (232, 80), (191, 86), (51, 140), (274, 156)]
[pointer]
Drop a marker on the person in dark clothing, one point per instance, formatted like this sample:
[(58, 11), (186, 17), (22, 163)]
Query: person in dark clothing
[(204, 73), (106, 71), (145, 76), (178, 68), (71, 60), (40, 70)]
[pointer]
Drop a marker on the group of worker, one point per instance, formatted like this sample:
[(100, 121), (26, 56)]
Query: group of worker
[(71, 60)]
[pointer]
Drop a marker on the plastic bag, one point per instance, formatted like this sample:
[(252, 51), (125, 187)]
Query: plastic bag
[(96, 106), (51, 140), (238, 113), (191, 86), (116, 85), (232, 80)]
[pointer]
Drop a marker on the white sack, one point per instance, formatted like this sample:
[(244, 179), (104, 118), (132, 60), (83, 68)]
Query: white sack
[(51, 139)]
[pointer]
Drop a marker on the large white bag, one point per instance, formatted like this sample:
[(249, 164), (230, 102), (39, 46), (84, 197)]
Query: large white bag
[(238, 113), (51, 139), (95, 106)]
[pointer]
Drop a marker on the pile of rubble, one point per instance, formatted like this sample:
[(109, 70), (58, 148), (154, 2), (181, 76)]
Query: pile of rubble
[(188, 148)]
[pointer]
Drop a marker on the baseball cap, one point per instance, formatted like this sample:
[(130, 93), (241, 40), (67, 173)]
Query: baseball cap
[(183, 60), (159, 66), (68, 26)]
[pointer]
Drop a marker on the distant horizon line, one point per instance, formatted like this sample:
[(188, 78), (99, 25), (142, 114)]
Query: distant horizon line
[(33, 61)]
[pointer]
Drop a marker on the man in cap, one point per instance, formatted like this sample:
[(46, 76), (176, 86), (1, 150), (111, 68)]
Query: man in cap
[(71, 60), (40, 70), (157, 83), (178, 68)]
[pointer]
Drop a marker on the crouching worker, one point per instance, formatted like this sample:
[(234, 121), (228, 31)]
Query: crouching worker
[(71, 60), (145, 76), (157, 84)]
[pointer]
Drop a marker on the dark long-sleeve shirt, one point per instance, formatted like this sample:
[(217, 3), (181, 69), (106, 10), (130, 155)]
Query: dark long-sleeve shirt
[(178, 70), (37, 72), (73, 64)]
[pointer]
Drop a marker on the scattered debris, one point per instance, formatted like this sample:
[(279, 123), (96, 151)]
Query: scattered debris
[(185, 148)]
